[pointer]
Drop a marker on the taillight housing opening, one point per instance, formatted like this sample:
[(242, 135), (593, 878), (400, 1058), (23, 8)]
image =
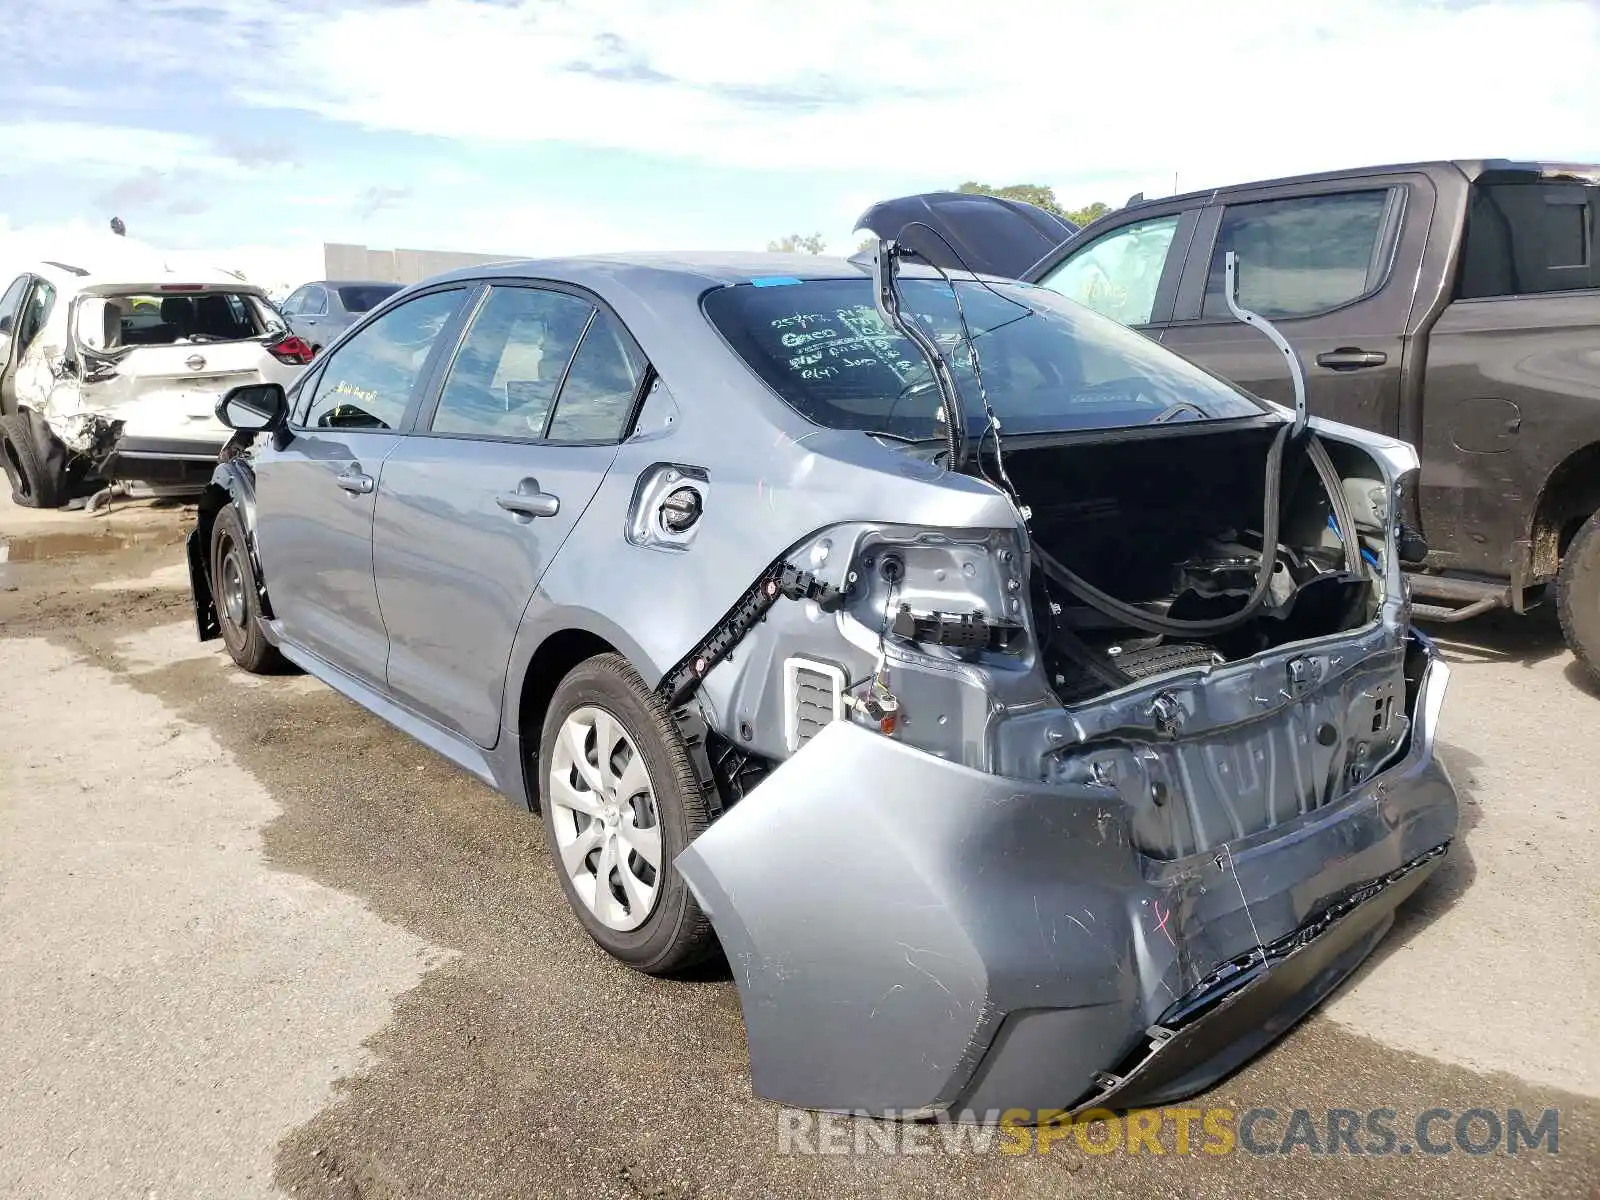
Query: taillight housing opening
[(295, 351)]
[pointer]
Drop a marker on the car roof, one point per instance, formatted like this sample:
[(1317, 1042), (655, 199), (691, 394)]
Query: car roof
[(340, 283), (1472, 168), (678, 270), (79, 277)]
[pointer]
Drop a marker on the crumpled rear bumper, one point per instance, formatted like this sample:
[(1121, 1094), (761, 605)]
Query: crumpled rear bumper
[(910, 935)]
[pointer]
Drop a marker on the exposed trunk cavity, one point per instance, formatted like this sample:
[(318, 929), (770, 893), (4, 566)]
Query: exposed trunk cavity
[(1173, 524)]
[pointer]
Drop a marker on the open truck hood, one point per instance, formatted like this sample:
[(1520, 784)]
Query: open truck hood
[(990, 234)]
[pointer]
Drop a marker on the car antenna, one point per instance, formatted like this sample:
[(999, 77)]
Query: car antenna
[(1297, 369), (886, 293)]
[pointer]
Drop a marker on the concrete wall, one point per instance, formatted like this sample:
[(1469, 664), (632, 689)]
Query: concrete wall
[(341, 260)]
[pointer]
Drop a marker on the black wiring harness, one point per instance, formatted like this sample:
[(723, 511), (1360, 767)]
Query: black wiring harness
[(1053, 569)]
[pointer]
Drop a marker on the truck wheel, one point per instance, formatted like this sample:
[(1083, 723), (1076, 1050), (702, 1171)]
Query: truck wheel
[(620, 801), (35, 483), (233, 591), (1578, 596)]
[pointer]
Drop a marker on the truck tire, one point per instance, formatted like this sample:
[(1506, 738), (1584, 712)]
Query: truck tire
[(233, 592), (36, 480), (616, 785), (1578, 596)]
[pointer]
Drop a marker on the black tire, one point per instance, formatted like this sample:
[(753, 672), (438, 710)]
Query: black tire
[(1578, 596), (233, 591), (35, 483), (676, 935)]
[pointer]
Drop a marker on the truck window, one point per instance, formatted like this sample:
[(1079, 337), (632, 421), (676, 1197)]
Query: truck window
[(1529, 237), (1302, 256), (1117, 275)]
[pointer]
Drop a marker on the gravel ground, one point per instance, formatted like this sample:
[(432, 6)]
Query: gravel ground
[(251, 938)]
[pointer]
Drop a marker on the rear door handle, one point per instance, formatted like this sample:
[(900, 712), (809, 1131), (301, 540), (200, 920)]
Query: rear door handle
[(352, 480), (528, 501), (1349, 358)]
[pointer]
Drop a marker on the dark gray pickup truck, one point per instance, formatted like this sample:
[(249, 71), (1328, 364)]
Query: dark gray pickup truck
[(1454, 305)]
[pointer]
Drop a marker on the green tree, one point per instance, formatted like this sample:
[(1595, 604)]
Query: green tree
[(1082, 216), (792, 243), (1039, 196)]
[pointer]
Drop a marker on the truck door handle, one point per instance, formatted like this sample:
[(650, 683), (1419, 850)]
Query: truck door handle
[(528, 502), (352, 480), (1349, 358)]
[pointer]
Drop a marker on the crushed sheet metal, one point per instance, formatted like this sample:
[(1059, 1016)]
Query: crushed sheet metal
[(908, 933)]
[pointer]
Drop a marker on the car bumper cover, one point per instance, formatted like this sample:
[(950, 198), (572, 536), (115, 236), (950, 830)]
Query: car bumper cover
[(912, 936)]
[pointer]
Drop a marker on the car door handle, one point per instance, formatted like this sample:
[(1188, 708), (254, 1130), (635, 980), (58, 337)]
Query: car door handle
[(352, 480), (528, 501), (1349, 358)]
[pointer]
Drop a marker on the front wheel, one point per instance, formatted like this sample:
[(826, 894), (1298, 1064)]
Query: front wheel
[(237, 600), (36, 481), (620, 801), (1578, 596)]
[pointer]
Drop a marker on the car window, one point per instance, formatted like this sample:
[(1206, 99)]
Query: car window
[(1528, 237), (291, 306), (35, 312), (308, 384), (1117, 274), (1302, 256), (597, 398), (10, 302), (314, 303), (504, 379), (364, 297), (1048, 363), (368, 381)]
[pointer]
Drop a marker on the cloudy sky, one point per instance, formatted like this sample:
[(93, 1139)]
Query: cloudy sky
[(260, 128)]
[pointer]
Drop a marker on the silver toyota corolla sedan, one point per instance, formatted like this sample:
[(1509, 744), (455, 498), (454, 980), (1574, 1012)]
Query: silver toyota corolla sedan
[(1033, 718)]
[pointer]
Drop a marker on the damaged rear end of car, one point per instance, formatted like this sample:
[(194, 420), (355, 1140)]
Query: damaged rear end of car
[(134, 397), (1081, 807)]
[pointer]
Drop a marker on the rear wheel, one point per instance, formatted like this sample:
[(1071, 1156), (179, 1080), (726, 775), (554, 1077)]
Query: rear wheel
[(35, 482), (238, 603), (620, 801), (1578, 596)]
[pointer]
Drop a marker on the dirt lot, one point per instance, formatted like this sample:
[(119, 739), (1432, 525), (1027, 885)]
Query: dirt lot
[(250, 938)]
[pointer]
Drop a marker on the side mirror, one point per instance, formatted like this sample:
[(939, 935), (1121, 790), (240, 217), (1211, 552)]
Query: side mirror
[(254, 408)]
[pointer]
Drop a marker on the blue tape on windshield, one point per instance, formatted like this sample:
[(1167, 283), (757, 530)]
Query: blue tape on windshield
[(775, 281)]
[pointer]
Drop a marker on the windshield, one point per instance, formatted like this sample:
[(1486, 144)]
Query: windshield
[(1048, 363), (361, 297)]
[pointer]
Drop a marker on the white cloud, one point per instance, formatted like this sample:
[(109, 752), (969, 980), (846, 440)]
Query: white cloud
[(104, 149), (1215, 92), (93, 246), (1099, 98)]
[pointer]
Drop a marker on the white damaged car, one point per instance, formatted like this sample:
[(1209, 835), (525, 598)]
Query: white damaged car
[(116, 377)]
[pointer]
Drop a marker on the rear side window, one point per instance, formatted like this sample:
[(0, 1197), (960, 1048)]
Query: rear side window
[(368, 381), (1302, 256), (1117, 275), (597, 398), (1529, 237), (504, 379), (365, 297), (314, 303)]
